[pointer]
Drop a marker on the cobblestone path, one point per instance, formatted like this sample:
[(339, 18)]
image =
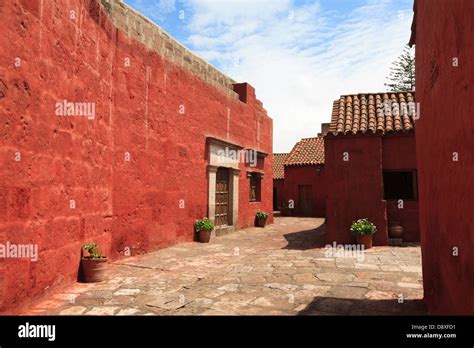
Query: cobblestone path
[(279, 270)]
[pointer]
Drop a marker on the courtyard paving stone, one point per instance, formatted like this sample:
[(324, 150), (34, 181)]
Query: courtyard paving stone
[(278, 270)]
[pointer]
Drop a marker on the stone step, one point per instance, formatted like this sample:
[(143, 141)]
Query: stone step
[(222, 231)]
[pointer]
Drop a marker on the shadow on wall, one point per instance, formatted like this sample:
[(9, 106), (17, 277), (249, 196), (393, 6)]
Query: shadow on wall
[(344, 306), (308, 239)]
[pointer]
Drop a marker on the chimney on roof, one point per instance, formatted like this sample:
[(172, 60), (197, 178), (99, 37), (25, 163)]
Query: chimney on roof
[(325, 128)]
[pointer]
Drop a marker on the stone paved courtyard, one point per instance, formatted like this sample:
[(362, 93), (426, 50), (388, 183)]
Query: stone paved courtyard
[(279, 270)]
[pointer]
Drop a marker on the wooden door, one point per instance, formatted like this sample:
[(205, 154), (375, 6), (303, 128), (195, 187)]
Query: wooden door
[(222, 197), (305, 200), (275, 196)]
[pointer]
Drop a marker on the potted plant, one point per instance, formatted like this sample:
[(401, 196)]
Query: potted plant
[(261, 218), (93, 265), (363, 229), (204, 228)]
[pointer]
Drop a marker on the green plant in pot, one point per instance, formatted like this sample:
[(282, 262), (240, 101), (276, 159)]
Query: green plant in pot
[(204, 228), (93, 264), (363, 230), (261, 218)]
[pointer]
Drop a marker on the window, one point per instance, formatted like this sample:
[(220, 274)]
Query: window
[(255, 183), (399, 185)]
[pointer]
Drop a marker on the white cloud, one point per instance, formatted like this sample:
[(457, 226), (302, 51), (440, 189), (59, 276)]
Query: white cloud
[(220, 14), (299, 58)]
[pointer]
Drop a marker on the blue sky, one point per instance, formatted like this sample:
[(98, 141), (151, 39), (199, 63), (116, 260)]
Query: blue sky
[(300, 55)]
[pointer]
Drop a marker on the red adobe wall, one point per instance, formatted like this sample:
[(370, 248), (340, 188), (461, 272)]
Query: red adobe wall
[(354, 189), (148, 202), (445, 93), (306, 175), (408, 218), (399, 153)]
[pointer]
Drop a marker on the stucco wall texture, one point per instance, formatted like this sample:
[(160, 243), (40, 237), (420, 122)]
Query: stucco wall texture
[(355, 164), (445, 132), (134, 176), (297, 175)]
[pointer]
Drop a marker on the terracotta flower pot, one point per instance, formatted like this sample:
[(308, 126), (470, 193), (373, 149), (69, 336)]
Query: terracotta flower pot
[(204, 236), (93, 270), (395, 231), (365, 240), (261, 222)]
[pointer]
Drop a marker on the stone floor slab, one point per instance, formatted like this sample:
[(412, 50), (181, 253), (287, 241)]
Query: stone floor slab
[(278, 270)]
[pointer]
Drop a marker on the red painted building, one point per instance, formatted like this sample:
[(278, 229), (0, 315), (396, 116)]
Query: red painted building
[(370, 166), (305, 191), (443, 33), (148, 134)]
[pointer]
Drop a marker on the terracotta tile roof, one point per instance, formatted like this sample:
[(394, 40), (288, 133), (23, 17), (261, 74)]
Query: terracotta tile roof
[(278, 165), (307, 151), (373, 112)]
